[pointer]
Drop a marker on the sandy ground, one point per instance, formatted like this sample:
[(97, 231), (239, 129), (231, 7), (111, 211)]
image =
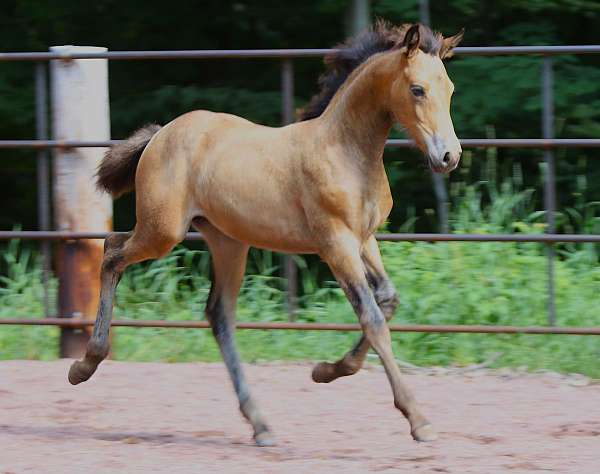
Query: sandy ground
[(183, 418)]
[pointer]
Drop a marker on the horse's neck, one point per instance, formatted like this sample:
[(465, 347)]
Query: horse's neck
[(359, 117)]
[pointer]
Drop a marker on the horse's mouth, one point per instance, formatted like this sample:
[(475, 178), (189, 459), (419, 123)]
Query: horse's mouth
[(439, 167)]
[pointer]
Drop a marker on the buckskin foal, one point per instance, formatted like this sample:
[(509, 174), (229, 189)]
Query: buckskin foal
[(316, 186)]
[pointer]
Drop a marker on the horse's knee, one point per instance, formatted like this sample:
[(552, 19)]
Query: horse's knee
[(387, 299), (389, 306)]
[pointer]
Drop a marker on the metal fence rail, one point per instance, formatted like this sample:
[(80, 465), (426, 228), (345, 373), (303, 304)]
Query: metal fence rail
[(541, 143), (384, 237), (286, 53), (292, 326), (285, 56)]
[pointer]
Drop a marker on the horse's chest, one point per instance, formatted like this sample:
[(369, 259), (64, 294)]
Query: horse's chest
[(359, 198), (375, 210)]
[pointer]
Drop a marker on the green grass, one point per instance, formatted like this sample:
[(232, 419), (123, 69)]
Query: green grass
[(444, 283)]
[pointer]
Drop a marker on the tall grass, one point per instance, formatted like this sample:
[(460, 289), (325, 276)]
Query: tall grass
[(444, 283)]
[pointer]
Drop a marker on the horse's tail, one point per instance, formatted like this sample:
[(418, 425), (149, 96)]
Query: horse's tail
[(116, 172)]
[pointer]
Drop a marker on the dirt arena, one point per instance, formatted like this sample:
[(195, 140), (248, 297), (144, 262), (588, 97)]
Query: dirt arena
[(183, 418)]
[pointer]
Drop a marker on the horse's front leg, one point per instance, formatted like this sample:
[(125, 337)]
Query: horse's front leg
[(343, 255), (387, 299)]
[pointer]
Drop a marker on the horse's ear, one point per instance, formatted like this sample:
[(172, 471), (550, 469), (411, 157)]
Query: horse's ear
[(448, 44), (411, 40)]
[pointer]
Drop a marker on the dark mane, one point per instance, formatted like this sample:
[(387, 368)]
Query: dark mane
[(355, 51)]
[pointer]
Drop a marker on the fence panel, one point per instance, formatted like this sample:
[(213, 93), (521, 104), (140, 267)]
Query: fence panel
[(548, 143)]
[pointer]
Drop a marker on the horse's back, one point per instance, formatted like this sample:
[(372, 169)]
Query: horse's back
[(218, 123)]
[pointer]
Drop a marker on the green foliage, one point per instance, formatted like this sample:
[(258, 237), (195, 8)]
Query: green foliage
[(445, 283), (22, 294)]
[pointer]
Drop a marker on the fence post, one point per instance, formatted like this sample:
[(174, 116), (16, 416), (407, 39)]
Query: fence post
[(43, 175), (80, 111), (550, 181), (287, 114), (358, 16)]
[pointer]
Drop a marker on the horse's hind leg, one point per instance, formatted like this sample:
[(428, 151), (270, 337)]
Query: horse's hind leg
[(120, 251), (387, 300), (229, 262), (98, 345)]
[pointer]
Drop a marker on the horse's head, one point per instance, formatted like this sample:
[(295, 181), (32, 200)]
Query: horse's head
[(420, 96)]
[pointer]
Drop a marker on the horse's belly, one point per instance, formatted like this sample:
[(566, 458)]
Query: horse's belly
[(261, 216), (268, 232)]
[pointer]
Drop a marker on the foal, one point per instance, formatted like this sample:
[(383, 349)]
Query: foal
[(316, 186)]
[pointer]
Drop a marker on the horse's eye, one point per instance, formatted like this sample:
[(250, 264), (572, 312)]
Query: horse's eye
[(417, 91)]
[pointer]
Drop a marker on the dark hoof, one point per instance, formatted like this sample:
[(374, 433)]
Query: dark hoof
[(324, 372), (265, 439), (80, 371), (424, 433)]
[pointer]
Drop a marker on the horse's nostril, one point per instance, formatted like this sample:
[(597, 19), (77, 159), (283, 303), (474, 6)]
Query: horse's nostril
[(446, 158)]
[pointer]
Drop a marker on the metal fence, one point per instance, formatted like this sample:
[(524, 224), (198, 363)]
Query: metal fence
[(286, 56)]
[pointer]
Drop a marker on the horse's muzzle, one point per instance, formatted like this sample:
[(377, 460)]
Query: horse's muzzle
[(445, 163), (443, 154)]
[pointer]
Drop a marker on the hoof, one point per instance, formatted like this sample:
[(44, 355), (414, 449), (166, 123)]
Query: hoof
[(80, 371), (265, 439), (324, 372), (424, 433)]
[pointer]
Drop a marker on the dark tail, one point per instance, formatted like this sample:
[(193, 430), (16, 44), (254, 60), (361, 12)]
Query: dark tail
[(116, 172)]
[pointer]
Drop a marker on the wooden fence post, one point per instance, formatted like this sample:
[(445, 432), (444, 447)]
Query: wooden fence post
[(80, 111)]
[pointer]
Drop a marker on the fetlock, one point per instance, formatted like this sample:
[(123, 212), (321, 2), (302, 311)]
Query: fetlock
[(348, 366), (96, 350)]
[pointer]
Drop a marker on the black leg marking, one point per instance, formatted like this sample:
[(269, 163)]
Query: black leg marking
[(222, 331), (384, 292), (222, 328), (364, 304), (98, 346)]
